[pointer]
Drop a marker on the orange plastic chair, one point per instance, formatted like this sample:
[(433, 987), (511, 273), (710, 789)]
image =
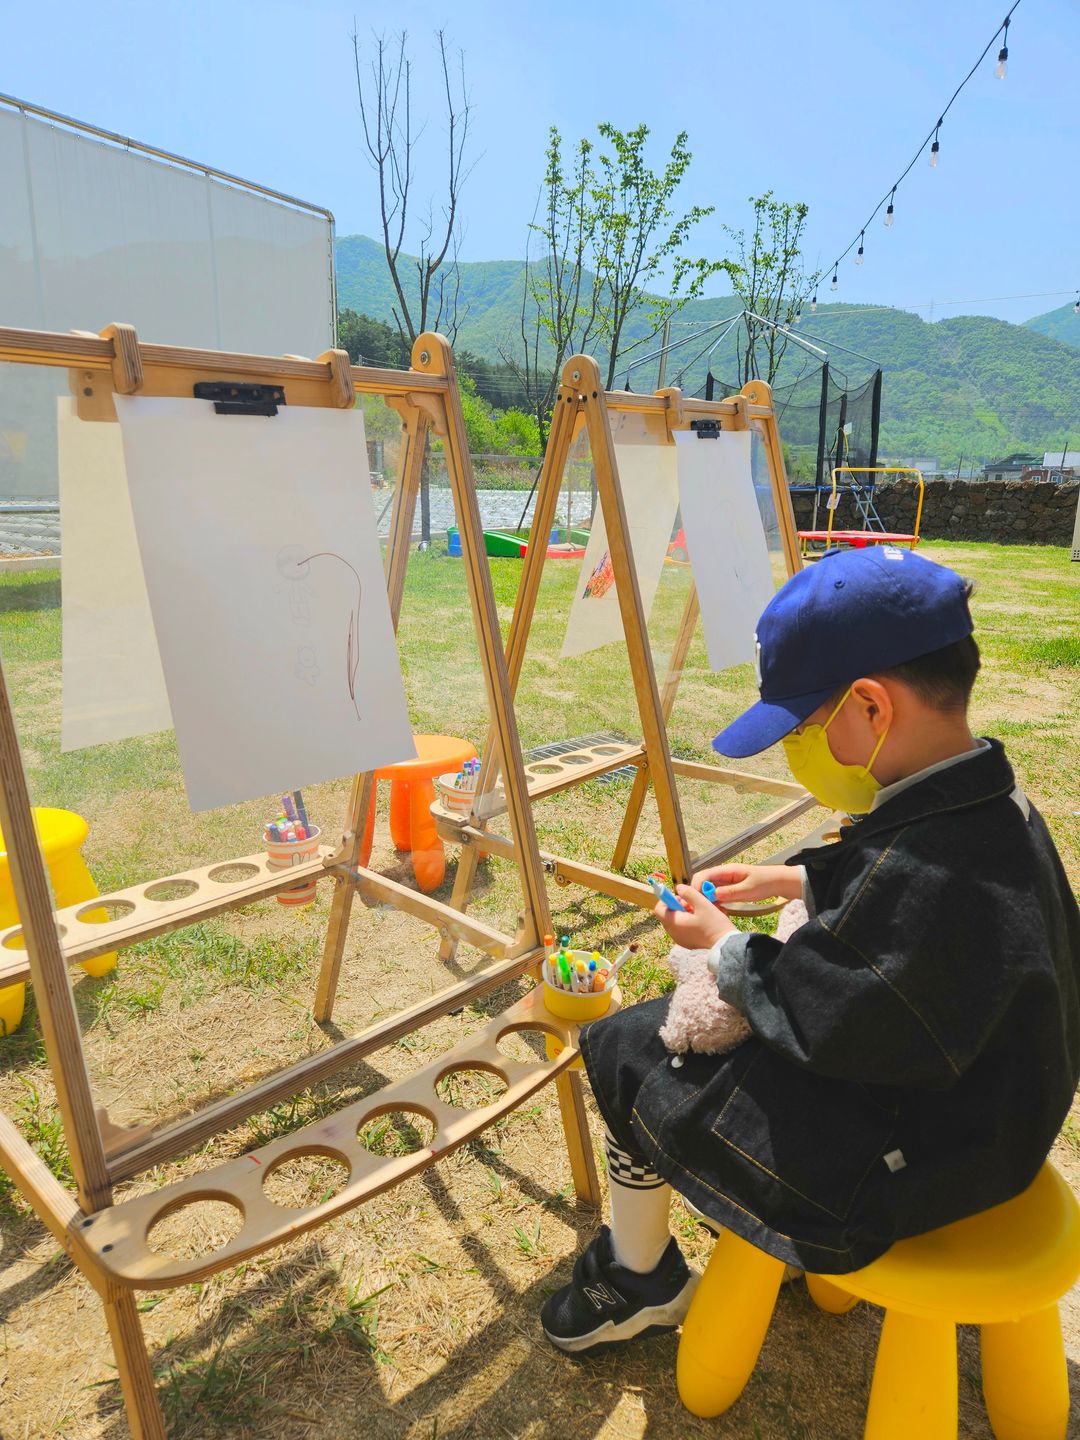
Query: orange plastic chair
[(1003, 1270), (412, 795), (62, 834)]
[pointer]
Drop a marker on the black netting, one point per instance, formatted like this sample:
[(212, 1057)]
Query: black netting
[(813, 412)]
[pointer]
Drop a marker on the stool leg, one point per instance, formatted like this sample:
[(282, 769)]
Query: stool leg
[(1024, 1377), (399, 814), (428, 855), (72, 882), (725, 1328), (12, 1005), (829, 1297), (369, 831), (914, 1389)]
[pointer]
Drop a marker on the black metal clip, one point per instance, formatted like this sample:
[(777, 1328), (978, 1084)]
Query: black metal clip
[(233, 398), (706, 429)]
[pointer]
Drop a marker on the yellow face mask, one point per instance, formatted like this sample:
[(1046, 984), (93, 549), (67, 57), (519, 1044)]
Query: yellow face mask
[(850, 788)]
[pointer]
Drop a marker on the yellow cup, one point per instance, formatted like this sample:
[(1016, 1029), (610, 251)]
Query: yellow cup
[(578, 1008)]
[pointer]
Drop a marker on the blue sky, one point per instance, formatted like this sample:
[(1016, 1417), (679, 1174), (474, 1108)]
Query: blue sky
[(824, 103)]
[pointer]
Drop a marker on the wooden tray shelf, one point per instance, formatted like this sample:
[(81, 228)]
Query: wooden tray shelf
[(558, 772), (137, 912), (118, 1236)]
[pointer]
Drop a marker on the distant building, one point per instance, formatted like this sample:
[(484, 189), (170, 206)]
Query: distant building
[(927, 466), (1057, 459), (1009, 468), (1056, 473)]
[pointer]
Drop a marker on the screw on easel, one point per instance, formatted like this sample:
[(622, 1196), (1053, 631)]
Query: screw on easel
[(425, 357)]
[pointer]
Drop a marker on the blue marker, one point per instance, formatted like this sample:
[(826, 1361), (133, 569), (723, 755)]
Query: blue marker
[(708, 889), (661, 891)]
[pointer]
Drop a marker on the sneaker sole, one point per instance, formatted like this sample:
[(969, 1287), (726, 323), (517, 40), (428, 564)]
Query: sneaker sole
[(652, 1320)]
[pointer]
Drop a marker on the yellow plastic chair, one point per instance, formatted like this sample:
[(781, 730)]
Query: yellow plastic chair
[(1003, 1270), (61, 834)]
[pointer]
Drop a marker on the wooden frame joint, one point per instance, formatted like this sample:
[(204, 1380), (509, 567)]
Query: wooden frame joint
[(127, 367), (342, 394)]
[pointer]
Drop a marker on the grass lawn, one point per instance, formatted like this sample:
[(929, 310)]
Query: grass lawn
[(415, 1316)]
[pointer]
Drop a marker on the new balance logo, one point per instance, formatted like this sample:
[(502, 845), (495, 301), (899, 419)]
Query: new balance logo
[(601, 1295)]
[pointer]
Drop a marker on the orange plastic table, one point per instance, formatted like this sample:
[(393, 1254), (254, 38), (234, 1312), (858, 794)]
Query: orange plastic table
[(411, 797)]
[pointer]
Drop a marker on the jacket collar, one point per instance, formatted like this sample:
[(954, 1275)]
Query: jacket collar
[(987, 776)]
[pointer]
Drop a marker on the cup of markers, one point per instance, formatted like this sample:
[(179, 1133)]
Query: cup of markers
[(290, 840), (579, 984), (458, 791)]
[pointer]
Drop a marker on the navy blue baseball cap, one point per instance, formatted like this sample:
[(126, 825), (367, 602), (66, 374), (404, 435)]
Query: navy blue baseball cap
[(852, 613)]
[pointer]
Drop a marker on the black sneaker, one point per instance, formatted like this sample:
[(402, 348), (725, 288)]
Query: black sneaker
[(605, 1303)]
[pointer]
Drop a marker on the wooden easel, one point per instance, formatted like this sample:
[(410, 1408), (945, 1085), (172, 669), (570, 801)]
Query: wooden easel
[(583, 402), (109, 1241)]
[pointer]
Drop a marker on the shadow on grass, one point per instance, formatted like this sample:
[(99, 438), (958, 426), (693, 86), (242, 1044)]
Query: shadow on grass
[(41, 594)]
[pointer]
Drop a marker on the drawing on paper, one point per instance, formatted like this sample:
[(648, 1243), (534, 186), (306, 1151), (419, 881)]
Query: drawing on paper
[(601, 579), (294, 567)]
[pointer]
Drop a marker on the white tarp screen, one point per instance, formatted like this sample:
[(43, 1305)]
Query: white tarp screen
[(91, 233), (267, 590)]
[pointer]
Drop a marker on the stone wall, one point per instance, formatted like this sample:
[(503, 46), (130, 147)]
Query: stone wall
[(1018, 512)]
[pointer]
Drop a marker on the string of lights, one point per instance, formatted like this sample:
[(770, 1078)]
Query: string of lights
[(933, 139)]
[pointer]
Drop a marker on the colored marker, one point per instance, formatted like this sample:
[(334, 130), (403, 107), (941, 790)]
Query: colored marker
[(289, 807), (661, 891), (301, 810), (274, 833), (301, 832), (564, 970), (708, 889), (620, 961)]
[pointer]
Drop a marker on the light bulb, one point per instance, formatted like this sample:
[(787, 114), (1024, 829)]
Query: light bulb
[(933, 155), (859, 255), (889, 211), (798, 314), (1003, 56), (813, 306), (835, 282), (1076, 306)]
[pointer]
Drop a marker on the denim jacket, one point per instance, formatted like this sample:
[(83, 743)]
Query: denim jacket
[(915, 1046)]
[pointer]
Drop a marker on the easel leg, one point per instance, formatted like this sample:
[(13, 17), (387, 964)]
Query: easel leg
[(578, 1141), (634, 807), (468, 859), (136, 1378)]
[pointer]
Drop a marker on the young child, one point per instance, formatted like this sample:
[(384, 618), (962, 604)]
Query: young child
[(914, 1046)]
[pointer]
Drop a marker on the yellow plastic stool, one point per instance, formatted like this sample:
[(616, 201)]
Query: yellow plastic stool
[(1003, 1270), (61, 834)]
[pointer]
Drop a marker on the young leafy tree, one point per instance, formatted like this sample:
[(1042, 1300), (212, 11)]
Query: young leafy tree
[(559, 302), (639, 242), (766, 274), (610, 231)]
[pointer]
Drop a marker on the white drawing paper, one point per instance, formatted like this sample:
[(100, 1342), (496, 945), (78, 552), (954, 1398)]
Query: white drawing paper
[(650, 491), (265, 580), (113, 686), (725, 538)]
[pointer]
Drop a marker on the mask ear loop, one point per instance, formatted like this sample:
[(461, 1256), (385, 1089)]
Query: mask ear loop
[(868, 767), (877, 747)]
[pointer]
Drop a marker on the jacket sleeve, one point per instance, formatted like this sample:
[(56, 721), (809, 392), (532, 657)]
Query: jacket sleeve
[(896, 981), (831, 1008)]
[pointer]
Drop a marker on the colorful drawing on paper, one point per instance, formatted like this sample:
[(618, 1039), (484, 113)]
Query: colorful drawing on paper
[(601, 580)]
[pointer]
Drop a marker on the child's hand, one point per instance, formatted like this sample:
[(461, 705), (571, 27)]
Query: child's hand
[(699, 926), (737, 883)]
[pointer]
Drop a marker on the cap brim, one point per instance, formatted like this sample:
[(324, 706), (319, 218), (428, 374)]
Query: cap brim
[(766, 722)]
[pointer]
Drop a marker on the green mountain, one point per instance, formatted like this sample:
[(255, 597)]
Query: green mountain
[(1062, 324), (968, 386)]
